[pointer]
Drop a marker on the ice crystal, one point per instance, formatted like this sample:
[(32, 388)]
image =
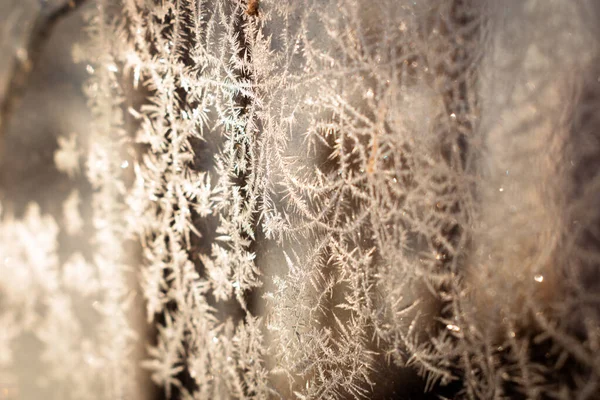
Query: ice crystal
[(72, 217), (66, 158), (329, 194), (53, 317), (320, 192)]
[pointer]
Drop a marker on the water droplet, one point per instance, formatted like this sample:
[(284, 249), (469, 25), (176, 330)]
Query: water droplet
[(369, 94), (89, 69), (124, 164), (501, 189), (539, 278), (453, 328), (215, 339), (112, 68)]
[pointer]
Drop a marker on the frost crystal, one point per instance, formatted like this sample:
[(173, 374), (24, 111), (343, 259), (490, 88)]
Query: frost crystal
[(322, 198), (66, 157), (72, 217), (316, 193)]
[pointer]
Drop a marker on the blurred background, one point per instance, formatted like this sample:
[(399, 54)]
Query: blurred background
[(44, 119)]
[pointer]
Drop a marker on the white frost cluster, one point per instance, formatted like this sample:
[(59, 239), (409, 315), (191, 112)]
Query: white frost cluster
[(333, 195), (330, 192), (51, 316), (66, 157)]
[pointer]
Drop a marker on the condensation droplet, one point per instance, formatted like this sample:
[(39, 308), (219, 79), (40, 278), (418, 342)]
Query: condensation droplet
[(539, 278), (124, 164)]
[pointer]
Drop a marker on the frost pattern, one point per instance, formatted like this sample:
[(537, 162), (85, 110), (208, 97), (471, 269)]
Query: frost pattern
[(329, 191), (66, 158), (72, 217), (60, 323)]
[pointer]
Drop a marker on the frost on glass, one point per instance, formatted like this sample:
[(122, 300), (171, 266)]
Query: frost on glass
[(347, 199), (57, 337), (327, 192)]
